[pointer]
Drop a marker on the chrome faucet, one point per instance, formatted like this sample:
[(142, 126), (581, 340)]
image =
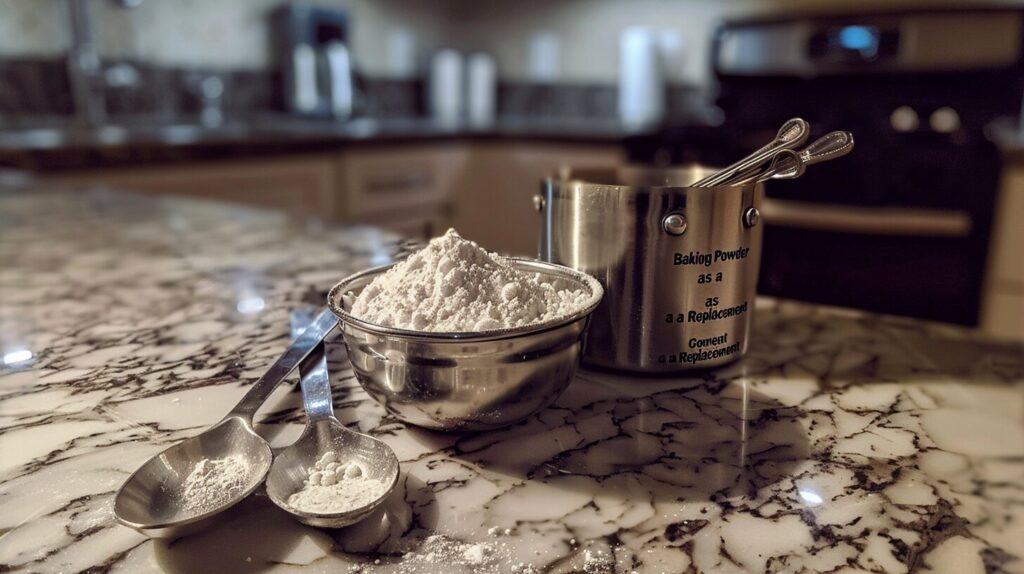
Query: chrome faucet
[(84, 67), (86, 74)]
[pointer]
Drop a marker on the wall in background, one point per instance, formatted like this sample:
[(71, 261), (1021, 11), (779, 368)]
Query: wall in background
[(32, 28), (233, 33), (211, 33), (589, 30)]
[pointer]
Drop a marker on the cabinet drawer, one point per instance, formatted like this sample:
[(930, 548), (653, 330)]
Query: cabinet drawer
[(420, 223), (1008, 234), (381, 180), (301, 184), (1003, 313)]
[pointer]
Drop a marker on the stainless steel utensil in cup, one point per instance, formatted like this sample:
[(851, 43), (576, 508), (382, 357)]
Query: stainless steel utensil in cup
[(464, 381), (679, 264)]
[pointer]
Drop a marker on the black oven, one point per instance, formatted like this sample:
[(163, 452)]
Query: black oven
[(902, 224)]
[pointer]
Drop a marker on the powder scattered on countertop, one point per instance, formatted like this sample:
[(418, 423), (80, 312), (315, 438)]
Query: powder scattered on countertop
[(213, 482), (454, 285), (334, 487), (437, 553), (430, 554)]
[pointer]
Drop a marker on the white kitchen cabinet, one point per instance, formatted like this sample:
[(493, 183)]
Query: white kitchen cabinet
[(1003, 302)]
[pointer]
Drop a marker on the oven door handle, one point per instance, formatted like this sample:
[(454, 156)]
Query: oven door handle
[(867, 220)]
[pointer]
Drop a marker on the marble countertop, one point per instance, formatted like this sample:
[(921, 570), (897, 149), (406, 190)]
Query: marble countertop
[(843, 442)]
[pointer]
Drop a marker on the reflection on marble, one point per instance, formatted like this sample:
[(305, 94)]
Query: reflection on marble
[(843, 442)]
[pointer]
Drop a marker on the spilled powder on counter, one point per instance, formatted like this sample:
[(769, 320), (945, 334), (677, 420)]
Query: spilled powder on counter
[(438, 553), (497, 554), (213, 482), (334, 487), (454, 285)]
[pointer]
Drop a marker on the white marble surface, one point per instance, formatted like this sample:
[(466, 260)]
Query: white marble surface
[(843, 442)]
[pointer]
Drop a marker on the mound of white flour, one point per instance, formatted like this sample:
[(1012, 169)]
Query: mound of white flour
[(454, 285)]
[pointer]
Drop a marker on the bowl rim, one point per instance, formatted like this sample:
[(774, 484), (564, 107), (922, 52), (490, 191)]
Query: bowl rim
[(533, 265)]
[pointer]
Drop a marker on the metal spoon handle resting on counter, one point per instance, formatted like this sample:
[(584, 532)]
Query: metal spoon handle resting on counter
[(304, 344), (792, 133)]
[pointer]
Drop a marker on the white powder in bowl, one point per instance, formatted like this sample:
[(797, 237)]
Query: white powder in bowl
[(213, 482), (454, 285), (333, 487)]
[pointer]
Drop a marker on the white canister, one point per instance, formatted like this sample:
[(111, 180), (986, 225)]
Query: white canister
[(480, 88), (401, 50), (641, 82), (446, 87), (545, 58)]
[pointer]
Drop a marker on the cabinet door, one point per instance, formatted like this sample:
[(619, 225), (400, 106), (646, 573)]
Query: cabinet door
[(303, 185), (382, 179), (494, 200), (1003, 304)]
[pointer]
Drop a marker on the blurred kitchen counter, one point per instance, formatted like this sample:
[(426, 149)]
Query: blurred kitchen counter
[(56, 144), (843, 440), (416, 177)]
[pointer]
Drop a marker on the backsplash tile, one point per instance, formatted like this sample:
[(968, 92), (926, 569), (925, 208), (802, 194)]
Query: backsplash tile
[(556, 100), (34, 87), (598, 101), (39, 87), (389, 98)]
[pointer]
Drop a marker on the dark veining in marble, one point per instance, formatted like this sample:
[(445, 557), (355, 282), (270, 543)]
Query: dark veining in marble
[(841, 440)]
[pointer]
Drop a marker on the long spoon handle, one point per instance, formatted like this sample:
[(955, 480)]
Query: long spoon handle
[(304, 344), (785, 159), (787, 164), (316, 388), (792, 134), (826, 148)]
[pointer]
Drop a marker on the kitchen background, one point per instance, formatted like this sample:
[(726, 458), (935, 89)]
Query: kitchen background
[(425, 114)]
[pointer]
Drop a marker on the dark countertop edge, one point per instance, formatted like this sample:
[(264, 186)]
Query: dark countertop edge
[(136, 153)]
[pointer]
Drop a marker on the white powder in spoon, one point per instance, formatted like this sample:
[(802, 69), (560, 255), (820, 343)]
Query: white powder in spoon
[(454, 285), (334, 487), (213, 482)]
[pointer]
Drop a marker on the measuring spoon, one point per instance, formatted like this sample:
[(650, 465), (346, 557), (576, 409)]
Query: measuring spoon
[(792, 133), (324, 433), (152, 499)]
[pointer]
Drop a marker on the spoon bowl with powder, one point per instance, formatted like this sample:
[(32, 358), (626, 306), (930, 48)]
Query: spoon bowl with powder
[(190, 485), (331, 476)]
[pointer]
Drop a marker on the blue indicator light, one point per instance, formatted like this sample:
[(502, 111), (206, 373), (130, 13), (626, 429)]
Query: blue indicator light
[(860, 38)]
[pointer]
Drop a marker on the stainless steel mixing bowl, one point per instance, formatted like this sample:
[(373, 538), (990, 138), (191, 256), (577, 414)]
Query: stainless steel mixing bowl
[(465, 381)]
